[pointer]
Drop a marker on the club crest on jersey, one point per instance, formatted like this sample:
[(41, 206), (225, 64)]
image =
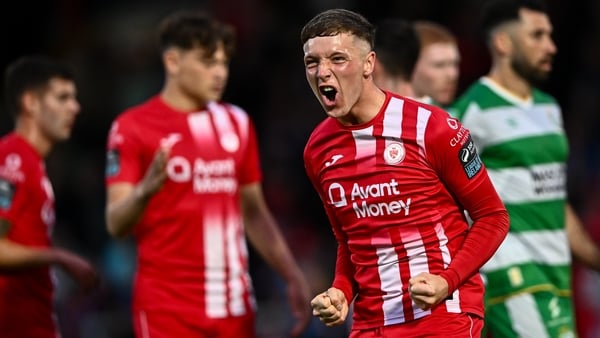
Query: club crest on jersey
[(230, 142), (394, 153)]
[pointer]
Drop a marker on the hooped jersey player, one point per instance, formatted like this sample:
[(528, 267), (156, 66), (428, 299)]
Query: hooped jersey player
[(27, 203), (192, 256), (525, 147), (394, 190)]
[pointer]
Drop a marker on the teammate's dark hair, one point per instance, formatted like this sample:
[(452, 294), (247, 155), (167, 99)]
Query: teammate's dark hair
[(497, 12), (188, 30), (30, 72), (397, 47)]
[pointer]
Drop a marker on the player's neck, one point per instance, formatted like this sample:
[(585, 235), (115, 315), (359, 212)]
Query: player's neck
[(178, 101), (34, 136), (367, 106), (505, 77)]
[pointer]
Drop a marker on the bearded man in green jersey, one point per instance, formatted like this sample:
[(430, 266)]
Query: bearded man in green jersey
[(519, 133)]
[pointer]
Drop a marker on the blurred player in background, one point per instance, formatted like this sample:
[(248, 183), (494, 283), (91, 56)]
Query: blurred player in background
[(397, 49), (41, 95), (435, 79), (518, 130), (394, 175), (183, 176)]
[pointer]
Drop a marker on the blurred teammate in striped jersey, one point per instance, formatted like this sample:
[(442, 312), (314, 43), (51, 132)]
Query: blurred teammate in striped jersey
[(183, 176)]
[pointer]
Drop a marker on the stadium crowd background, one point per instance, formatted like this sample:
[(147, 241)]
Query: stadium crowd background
[(111, 45)]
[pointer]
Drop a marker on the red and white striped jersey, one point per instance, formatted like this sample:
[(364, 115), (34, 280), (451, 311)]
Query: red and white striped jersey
[(394, 190), (192, 253)]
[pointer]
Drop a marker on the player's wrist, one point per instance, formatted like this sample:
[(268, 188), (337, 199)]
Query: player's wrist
[(452, 279), (141, 193)]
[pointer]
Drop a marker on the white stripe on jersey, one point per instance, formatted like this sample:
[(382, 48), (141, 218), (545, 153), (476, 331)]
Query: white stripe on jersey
[(525, 317), (418, 262), (452, 305), (200, 128), (391, 284), (242, 119), (236, 286), (220, 116), (214, 261), (392, 121), (537, 183), (246, 280), (227, 136), (224, 270), (144, 325), (552, 248), (511, 123), (441, 235), (422, 120), (365, 147)]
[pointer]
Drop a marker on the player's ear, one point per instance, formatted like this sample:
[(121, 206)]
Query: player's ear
[(502, 42), (171, 58), (369, 64), (30, 103)]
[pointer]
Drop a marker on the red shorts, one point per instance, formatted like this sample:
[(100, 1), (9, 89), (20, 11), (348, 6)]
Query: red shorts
[(442, 324), (162, 324)]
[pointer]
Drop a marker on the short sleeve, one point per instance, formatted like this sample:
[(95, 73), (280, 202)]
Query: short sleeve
[(123, 154)]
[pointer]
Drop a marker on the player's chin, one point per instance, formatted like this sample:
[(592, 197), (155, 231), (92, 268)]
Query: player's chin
[(334, 111), (62, 135), (545, 66), (215, 95)]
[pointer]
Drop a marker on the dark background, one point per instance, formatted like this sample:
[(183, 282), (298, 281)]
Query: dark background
[(111, 45)]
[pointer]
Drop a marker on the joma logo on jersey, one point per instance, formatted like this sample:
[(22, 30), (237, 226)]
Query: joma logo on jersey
[(210, 177), (361, 194)]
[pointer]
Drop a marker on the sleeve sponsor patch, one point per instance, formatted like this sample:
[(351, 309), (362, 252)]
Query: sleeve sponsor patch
[(113, 163), (469, 159), (7, 193)]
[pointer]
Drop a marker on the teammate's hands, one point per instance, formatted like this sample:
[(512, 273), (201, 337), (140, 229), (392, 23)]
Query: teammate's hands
[(427, 290), (156, 174), (298, 295), (80, 269), (330, 307)]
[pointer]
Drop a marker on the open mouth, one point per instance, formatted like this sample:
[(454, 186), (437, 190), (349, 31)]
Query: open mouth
[(329, 92)]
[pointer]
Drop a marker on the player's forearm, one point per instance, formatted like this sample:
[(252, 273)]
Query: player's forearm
[(482, 241), (582, 246), (122, 215), (344, 271), (15, 256), (489, 229)]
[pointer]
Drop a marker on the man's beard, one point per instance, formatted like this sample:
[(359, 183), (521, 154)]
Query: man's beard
[(528, 72)]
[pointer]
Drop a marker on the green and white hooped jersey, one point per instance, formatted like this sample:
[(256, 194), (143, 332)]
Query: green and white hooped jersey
[(524, 148)]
